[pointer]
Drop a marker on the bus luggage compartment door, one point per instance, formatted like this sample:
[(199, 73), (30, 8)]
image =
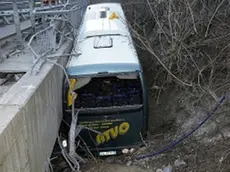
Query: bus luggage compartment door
[(117, 130)]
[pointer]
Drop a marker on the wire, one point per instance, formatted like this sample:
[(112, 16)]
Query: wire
[(183, 137)]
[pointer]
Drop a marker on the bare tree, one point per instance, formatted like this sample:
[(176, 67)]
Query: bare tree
[(187, 40)]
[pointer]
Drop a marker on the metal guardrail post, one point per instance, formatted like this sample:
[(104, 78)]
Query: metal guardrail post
[(17, 25), (42, 5), (50, 3), (43, 17), (52, 12), (1, 55), (32, 18)]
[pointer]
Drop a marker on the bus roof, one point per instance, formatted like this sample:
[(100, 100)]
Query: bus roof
[(104, 43)]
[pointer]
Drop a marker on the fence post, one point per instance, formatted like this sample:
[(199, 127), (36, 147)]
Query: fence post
[(43, 17), (53, 36), (32, 18), (1, 56), (42, 5), (50, 3), (17, 25)]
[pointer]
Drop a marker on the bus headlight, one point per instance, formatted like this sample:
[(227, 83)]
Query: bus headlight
[(125, 151)]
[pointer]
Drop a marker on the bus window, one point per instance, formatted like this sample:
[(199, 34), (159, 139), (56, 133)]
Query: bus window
[(108, 91)]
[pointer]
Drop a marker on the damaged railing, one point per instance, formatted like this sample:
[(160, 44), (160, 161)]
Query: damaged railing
[(7, 11), (15, 12), (45, 41), (63, 26), (24, 9), (41, 44), (64, 23)]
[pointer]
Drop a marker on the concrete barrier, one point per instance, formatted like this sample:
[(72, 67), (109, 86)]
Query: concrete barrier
[(30, 116)]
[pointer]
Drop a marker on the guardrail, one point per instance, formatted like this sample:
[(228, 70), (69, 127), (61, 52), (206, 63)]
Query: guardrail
[(24, 9), (41, 44), (31, 13), (44, 42), (7, 10)]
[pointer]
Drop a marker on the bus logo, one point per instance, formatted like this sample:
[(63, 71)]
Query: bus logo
[(112, 133)]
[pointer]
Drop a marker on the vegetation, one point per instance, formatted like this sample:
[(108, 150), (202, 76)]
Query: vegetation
[(187, 42)]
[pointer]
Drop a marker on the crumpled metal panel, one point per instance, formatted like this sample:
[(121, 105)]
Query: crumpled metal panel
[(43, 42)]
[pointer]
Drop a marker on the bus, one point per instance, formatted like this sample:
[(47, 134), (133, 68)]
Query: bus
[(108, 79)]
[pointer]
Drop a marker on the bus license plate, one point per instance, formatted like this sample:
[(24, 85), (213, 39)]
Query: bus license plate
[(108, 153)]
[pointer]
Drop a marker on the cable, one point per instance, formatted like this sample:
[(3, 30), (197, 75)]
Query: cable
[(183, 137)]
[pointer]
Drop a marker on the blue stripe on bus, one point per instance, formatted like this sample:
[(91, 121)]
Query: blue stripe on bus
[(95, 69)]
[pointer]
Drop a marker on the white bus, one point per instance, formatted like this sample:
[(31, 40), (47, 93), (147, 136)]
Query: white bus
[(108, 79)]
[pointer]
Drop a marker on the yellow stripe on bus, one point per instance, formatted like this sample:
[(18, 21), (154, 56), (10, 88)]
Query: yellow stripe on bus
[(72, 86)]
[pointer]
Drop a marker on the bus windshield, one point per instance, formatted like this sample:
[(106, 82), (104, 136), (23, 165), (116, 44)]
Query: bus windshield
[(120, 90)]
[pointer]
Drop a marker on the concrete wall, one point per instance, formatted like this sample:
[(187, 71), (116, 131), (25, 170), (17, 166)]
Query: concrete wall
[(30, 116)]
